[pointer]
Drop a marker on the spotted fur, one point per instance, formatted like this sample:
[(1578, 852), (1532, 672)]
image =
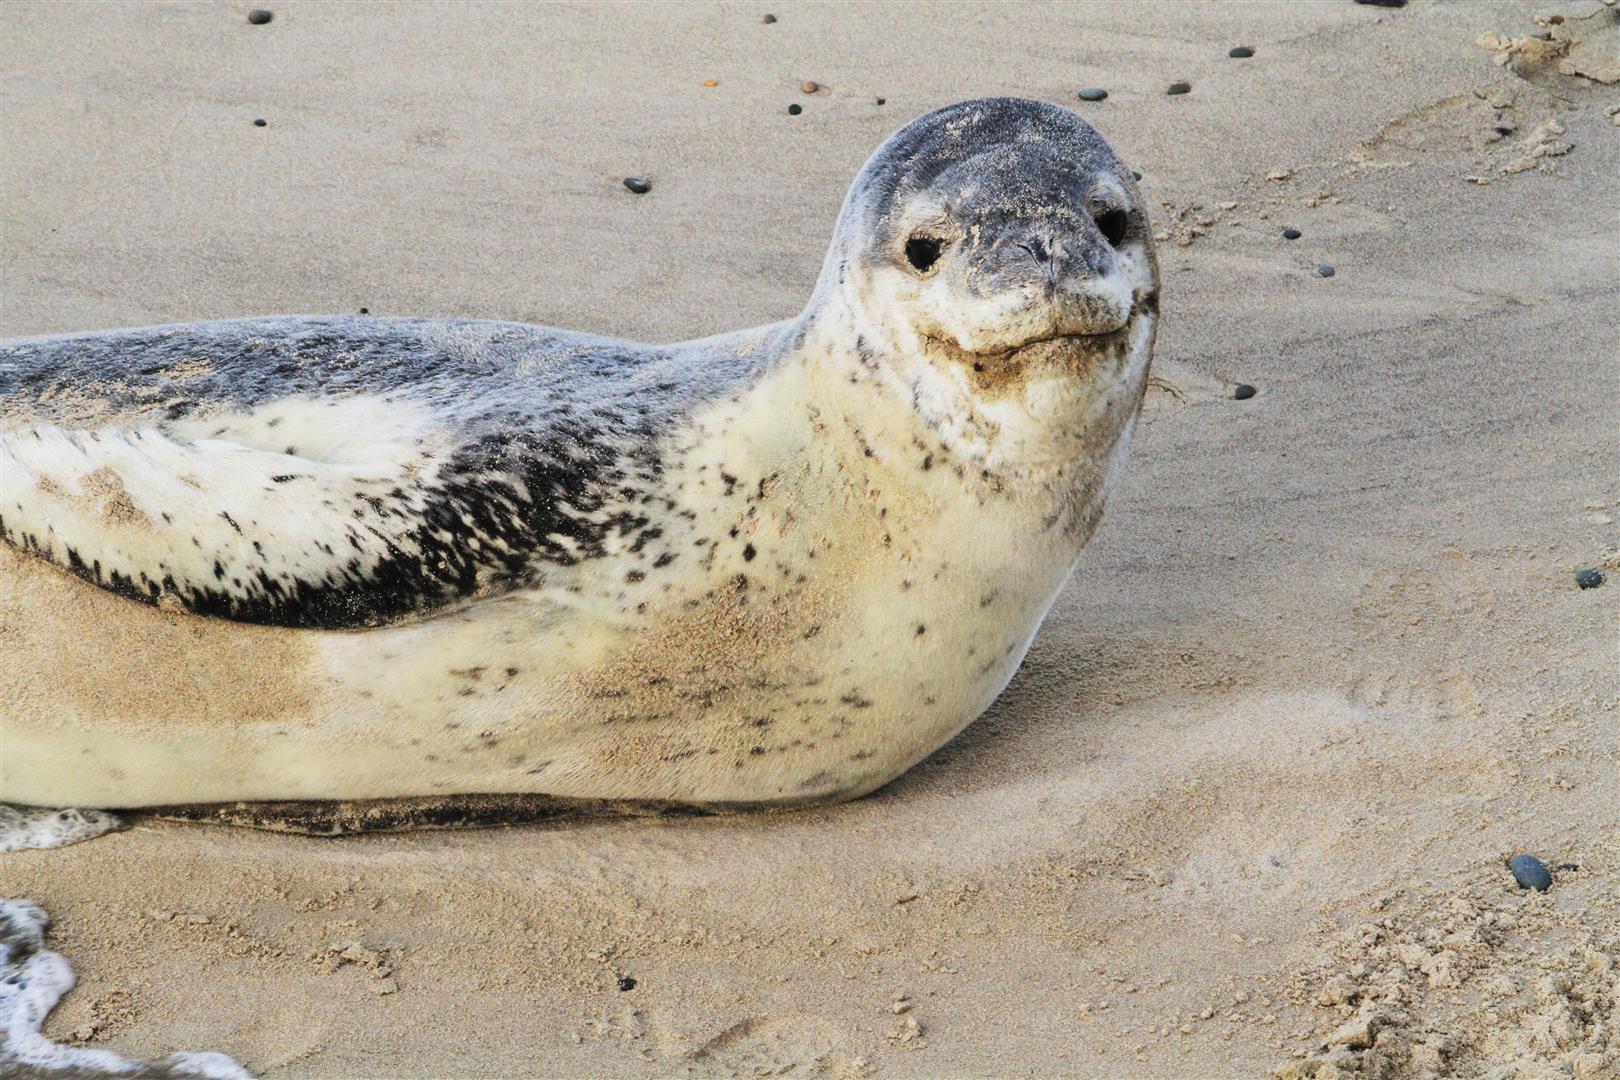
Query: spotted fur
[(335, 472)]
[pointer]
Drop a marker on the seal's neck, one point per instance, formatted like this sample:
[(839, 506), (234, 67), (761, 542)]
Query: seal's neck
[(1046, 439), (1018, 414)]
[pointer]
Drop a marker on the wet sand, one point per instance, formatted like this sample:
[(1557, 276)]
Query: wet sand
[(1246, 806)]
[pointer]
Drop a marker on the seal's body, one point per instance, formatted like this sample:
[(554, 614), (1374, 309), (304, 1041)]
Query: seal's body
[(352, 558)]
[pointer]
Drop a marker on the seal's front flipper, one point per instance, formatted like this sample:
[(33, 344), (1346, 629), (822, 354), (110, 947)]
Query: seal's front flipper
[(44, 827)]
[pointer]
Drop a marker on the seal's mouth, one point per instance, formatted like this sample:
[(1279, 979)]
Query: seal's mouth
[(1063, 333), (1052, 346)]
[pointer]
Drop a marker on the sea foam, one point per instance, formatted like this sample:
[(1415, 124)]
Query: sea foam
[(32, 981), (41, 827)]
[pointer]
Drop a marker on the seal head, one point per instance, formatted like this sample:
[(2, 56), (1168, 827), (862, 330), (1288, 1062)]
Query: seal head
[(996, 251), (997, 223)]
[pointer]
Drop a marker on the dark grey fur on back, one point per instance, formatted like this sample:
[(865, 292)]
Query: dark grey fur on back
[(555, 444)]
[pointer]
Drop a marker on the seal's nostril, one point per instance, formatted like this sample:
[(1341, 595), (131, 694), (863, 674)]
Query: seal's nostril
[(1044, 255)]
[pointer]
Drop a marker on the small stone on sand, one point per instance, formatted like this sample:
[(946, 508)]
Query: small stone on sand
[(1243, 391), (259, 16), (1179, 88), (261, 123), (637, 185), (1530, 872), (1589, 579), (809, 86), (1093, 93), (1240, 52), (795, 109), (768, 19), (882, 101), (1325, 271), (627, 983), (1291, 233), (1136, 174)]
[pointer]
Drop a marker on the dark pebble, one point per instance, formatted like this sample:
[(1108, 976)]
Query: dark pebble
[(1243, 391), (1240, 52), (1179, 88), (1382, 3), (795, 109), (1136, 174), (259, 16), (1589, 579), (1093, 93), (365, 311), (1325, 271), (637, 185), (1530, 872), (1291, 233), (261, 123), (768, 19), (883, 101), (627, 983)]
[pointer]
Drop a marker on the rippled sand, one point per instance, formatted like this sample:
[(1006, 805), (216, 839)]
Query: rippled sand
[(1323, 669)]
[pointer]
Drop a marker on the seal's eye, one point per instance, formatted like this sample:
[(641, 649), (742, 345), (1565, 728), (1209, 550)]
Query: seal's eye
[(922, 252), (1111, 223)]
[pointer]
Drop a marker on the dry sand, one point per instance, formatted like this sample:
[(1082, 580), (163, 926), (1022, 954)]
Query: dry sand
[(1324, 667)]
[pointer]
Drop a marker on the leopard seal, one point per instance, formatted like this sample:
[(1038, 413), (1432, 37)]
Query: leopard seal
[(345, 558)]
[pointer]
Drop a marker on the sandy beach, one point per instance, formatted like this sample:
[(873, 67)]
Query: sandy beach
[(1324, 668)]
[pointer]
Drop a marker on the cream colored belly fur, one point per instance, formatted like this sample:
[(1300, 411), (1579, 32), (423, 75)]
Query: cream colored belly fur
[(814, 693)]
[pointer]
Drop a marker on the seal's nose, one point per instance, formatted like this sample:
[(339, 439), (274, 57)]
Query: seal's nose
[(1040, 280), (1055, 260)]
